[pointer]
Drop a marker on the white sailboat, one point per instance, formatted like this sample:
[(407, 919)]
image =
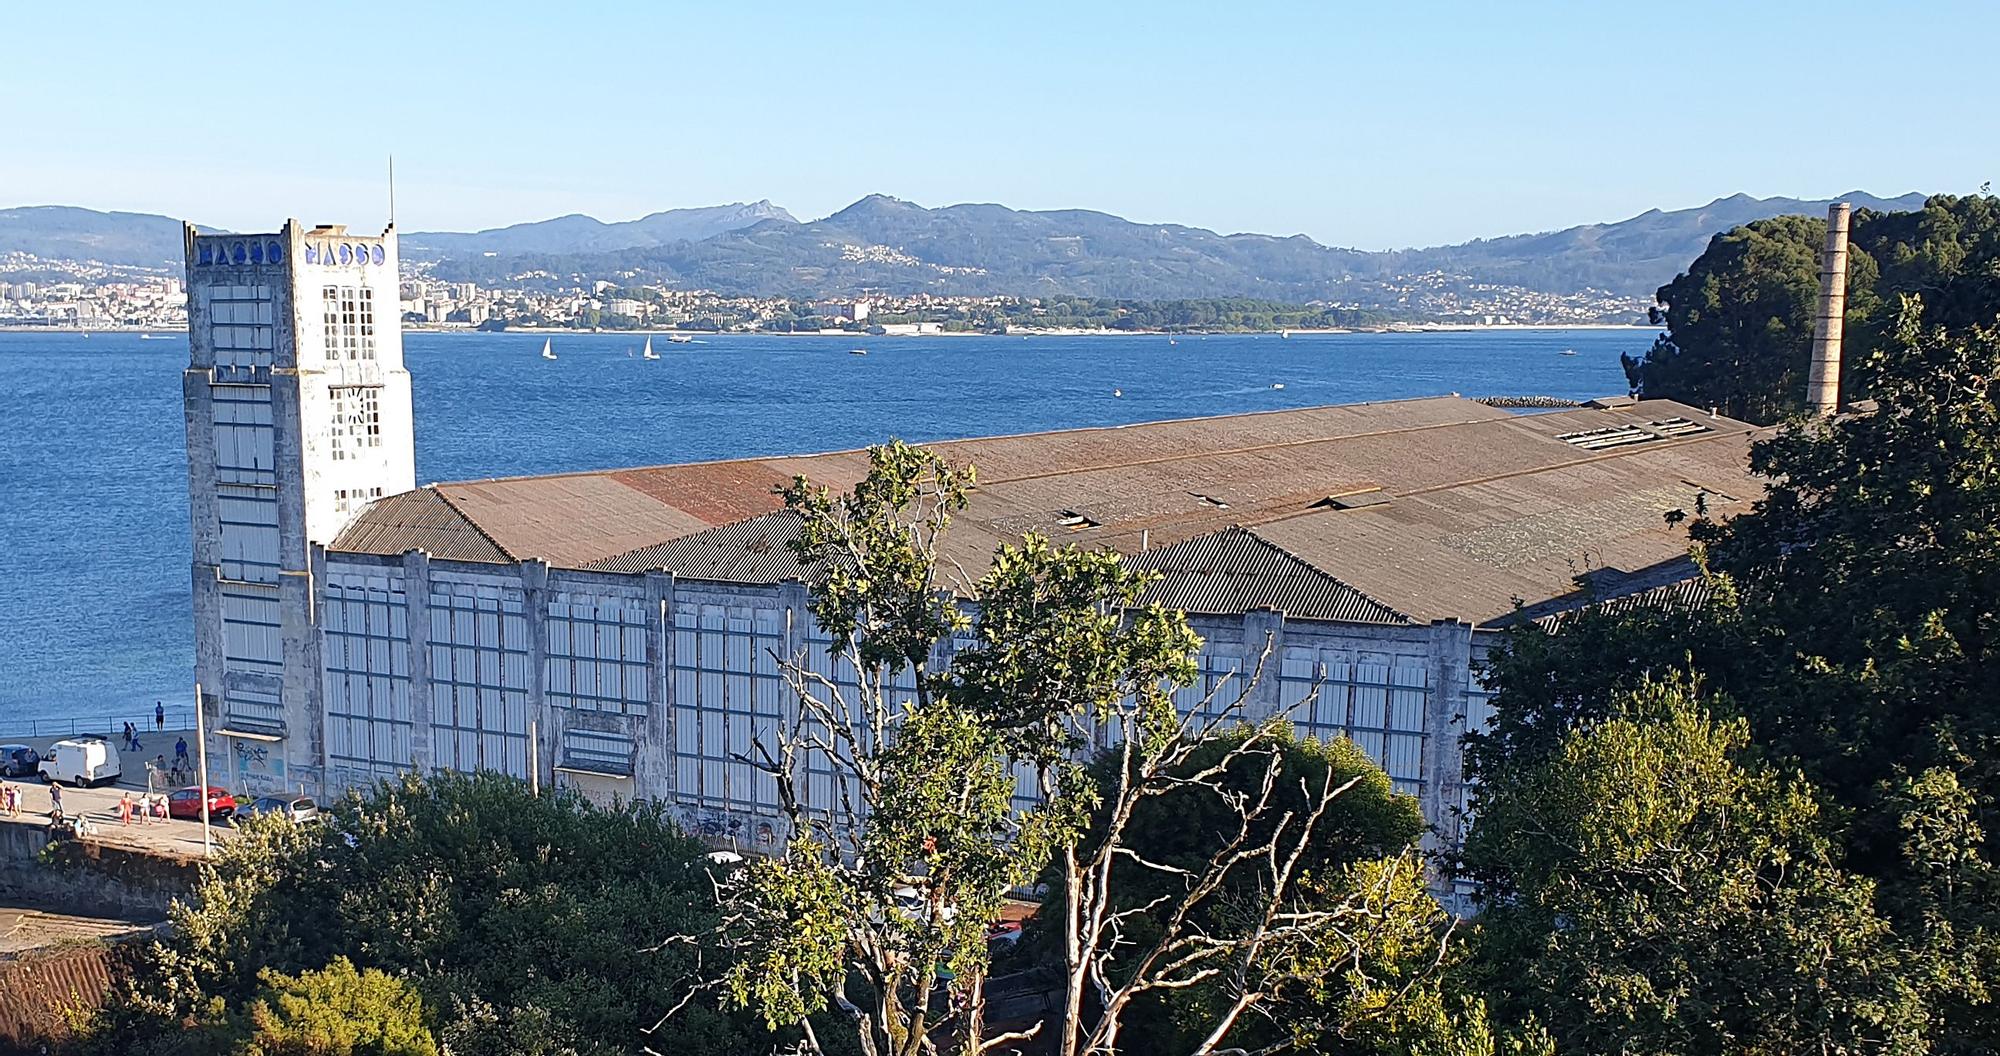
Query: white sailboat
[(548, 352), (649, 353)]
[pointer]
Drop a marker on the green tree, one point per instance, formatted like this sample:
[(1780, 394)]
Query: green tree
[(1372, 977), (338, 1011), (494, 903), (1852, 626), (928, 703), (1667, 896)]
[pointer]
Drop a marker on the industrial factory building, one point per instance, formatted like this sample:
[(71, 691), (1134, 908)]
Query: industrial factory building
[(629, 617)]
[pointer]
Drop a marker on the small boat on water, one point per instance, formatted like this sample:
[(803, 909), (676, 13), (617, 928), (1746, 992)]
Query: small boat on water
[(1118, 393), (1567, 352), (649, 353), (1278, 385), (857, 351), (679, 339), (548, 352)]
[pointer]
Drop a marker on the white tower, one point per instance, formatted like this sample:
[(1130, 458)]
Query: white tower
[(298, 414)]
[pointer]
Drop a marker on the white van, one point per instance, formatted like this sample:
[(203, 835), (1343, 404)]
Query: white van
[(81, 761)]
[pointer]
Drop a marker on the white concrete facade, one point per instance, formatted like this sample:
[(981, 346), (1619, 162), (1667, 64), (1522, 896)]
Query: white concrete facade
[(649, 685), (298, 414)]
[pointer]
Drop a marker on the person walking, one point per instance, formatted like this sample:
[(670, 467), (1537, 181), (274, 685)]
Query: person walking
[(125, 809), (181, 753), (159, 716), (55, 802), (7, 798)]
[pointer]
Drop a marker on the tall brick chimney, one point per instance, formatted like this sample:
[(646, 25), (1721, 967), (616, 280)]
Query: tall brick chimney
[(1823, 389)]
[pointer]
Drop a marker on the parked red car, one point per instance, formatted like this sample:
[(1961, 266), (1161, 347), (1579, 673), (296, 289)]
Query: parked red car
[(186, 803)]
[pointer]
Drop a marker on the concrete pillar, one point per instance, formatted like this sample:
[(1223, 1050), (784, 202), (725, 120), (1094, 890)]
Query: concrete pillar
[(1444, 725), (1823, 388), (417, 620), (535, 602), (1260, 627), (653, 771)]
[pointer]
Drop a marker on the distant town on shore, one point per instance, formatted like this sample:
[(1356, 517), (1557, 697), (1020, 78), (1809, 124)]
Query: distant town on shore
[(886, 266)]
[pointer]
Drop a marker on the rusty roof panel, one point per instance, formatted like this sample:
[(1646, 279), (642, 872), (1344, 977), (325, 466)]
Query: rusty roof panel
[(568, 521), (1234, 571), (756, 550), (417, 520)]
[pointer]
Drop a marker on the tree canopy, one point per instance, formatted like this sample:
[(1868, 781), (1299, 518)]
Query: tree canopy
[(509, 914), (1849, 640)]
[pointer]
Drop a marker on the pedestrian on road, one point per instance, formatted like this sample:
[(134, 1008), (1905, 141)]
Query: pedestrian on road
[(160, 808), (160, 715), (55, 802), (7, 795), (181, 752), (125, 809)]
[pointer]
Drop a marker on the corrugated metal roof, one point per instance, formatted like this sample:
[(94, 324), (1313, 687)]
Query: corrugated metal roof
[(1482, 507), (418, 520), (1679, 587), (752, 551), (1234, 571)]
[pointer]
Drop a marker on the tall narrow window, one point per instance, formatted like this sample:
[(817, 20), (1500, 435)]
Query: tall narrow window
[(239, 325), (348, 318)]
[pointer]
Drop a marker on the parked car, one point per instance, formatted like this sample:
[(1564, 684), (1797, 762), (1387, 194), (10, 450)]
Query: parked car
[(19, 760), (80, 761), (296, 809), (186, 803)]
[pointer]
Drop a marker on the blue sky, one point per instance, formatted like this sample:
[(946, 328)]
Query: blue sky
[(1371, 125)]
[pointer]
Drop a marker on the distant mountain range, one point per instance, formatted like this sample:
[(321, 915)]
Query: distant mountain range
[(884, 243), (577, 233), (64, 232)]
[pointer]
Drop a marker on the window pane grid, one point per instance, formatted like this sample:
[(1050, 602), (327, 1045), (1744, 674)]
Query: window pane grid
[(478, 649), (728, 692), (1380, 707), (596, 658), (365, 641), (347, 319)]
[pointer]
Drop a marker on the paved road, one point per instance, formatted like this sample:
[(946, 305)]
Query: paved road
[(100, 805)]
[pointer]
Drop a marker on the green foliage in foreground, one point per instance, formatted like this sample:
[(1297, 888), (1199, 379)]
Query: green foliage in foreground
[(1371, 980), (1670, 896), (338, 1011), (1831, 821), (514, 917)]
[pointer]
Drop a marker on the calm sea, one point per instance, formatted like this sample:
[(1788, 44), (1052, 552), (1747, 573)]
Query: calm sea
[(94, 578)]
